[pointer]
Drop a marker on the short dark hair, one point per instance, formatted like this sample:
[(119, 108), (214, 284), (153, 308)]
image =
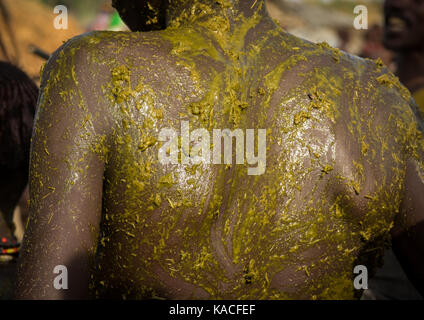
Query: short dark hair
[(142, 15), (18, 100)]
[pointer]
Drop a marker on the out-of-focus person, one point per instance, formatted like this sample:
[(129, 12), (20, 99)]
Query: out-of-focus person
[(18, 97), (373, 48), (404, 35)]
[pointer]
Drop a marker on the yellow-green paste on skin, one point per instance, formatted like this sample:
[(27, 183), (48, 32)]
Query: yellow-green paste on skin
[(335, 160)]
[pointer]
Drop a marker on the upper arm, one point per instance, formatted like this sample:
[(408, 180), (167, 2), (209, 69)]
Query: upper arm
[(408, 231), (400, 166), (66, 178)]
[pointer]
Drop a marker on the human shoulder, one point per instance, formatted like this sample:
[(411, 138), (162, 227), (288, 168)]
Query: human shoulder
[(92, 64), (366, 81), (372, 97), (344, 87), (106, 48), (327, 58)]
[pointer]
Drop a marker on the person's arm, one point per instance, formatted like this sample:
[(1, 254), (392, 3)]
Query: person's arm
[(408, 231), (66, 179)]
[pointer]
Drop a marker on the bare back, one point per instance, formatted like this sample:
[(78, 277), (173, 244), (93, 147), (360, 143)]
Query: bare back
[(338, 139)]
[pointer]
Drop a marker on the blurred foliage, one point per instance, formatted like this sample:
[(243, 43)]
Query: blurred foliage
[(83, 10)]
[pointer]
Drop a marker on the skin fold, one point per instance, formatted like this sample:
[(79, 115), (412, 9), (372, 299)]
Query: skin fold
[(344, 166)]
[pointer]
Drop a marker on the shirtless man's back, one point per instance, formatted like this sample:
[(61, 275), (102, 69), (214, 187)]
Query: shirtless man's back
[(131, 216)]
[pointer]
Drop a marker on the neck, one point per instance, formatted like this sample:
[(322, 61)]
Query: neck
[(183, 12), (410, 69)]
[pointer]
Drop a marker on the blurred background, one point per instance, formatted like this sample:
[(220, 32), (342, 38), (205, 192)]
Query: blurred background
[(315, 20)]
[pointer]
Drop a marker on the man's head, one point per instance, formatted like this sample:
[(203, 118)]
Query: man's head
[(142, 15), (147, 15), (404, 24)]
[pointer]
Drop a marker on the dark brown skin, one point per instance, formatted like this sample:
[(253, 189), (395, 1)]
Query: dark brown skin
[(343, 146)]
